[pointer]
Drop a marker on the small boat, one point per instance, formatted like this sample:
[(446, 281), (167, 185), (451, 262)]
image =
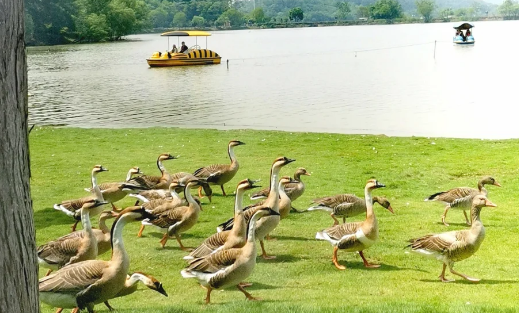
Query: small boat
[(464, 38), (193, 56)]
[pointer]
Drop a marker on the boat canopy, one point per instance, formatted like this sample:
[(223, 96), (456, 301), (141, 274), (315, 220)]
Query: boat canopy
[(186, 33), (464, 26)]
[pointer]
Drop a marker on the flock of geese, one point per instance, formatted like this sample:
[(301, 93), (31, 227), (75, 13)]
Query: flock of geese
[(78, 281)]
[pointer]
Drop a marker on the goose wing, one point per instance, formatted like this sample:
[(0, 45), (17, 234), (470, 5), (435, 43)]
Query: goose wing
[(209, 245), (339, 231), (452, 195), (73, 278), (212, 173), (61, 250), (170, 217), (436, 242), (215, 262)]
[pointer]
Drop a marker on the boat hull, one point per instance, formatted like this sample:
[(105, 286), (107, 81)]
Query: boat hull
[(196, 57)]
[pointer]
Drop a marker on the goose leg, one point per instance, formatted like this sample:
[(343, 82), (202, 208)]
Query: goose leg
[(466, 218), (200, 192), (366, 264), (110, 308), (264, 254), (139, 234), (442, 275), (335, 261), (164, 240), (294, 210), (335, 220), (248, 295), (75, 310), (208, 295), (245, 285), (344, 219), (471, 279), (223, 190), (59, 310), (181, 245), (136, 203), (48, 272), (74, 226), (444, 216)]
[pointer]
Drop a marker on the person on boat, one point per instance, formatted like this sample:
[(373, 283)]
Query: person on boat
[(468, 34), (174, 49), (183, 48)]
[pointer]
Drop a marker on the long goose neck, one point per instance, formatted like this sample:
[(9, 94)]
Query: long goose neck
[(119, 255), (281, 191), (189, 198), (87, 225), (274, 191), (297, 176), (135, 278), (474, 214), (161, 166), (129, 175), (481, 185), (95, 187), (230, 151), (173, 193), (239, 219), (102, 225), (251, 236), (369, 204)]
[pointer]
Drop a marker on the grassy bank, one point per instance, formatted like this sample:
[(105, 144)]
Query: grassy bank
[(302, 278)]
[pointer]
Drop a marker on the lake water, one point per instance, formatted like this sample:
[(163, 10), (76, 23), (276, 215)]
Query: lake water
[(306, 79)]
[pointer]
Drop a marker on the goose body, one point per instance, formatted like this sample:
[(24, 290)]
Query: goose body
[(293, 190), (155, 182), (234, 238), (219, 174), (73, 207), (87, 283), (71, 248), (227, 267), (454, 246), (461, 197), (354, 237), (346, 205)]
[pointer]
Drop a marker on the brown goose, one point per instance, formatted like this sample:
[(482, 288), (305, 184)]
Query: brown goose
[(130, 286), (455, 246), (159, 206), (293, 190), (219, 174), (155, 182), (72, 207), (346, 205), (234, 238), (133, 171), (356, 236), (228, 267), (71, 248), (461, 198), (87, 283), (179, 219)]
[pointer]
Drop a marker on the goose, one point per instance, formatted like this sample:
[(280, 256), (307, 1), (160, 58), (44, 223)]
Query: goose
[(72, 207), (133, 171), (159, 206), (130, 286), (219, 174), (84, 284), (228, 267), (461, 197), (293, 190), (356, 236), (455, 246), (346, 205), (179, 219), (155, 182), (70, 248), (234, 238)]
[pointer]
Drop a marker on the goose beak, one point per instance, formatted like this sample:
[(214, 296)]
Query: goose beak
[(171, 157), (489, 203), (287, 161), (497, 184), (162, 291), (240, 143), (103, 169), (379, 185), (390, 209), (308, 174)]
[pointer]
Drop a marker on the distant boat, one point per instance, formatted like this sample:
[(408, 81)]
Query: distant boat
[(464, 38)]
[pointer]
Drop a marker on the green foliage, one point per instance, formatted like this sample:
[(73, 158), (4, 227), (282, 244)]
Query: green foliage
[(343, 10), (232, 16), (363, 11), (296, 14), (386, 9), (197, 21), (258, 15), (509, 9), (179, 20), (446, 14), (425, 8), (302, 278)]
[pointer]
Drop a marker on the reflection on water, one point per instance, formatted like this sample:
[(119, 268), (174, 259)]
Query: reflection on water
[(307, 79)]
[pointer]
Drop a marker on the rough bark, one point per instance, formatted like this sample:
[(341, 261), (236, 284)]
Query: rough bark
[(18, 265)]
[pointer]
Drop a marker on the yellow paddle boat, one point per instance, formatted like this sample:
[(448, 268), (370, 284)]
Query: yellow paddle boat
[(192, 56)]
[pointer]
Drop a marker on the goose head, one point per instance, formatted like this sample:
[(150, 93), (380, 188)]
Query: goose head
[(384, 203), (135, 170), (374, 184), (247, 184), (150, 282), (234, 143), (301, 171), (282, 161), (166, 156), (489, 180), (480, 201), (135, 213), (99, 169)]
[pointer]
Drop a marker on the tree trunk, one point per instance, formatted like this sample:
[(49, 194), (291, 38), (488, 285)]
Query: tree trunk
[(18, 266)]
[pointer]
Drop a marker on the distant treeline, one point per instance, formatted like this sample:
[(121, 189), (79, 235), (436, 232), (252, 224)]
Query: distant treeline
[(50, 22)]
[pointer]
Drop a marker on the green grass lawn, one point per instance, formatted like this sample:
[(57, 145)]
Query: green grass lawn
[(302, 278)]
